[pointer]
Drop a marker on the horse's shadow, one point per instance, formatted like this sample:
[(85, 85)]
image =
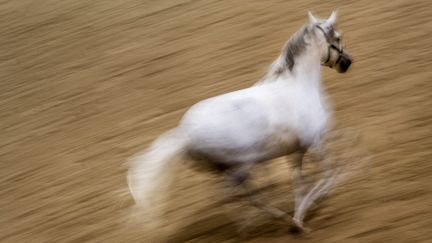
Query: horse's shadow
[(219, 225)]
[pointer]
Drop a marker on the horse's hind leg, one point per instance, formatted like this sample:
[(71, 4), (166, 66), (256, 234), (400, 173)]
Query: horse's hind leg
[(240, 178), (233, 179), (257, 201)]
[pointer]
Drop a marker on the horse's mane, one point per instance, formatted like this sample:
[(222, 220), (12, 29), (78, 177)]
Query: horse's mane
[(293, 48)]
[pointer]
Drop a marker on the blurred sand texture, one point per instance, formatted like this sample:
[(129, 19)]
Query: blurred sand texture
[(86, 84)]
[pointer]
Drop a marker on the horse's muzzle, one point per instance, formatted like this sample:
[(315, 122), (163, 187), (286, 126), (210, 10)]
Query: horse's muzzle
[(344, 63)]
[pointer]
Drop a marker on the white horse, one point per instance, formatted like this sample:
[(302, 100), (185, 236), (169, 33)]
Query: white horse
[(284, 113)]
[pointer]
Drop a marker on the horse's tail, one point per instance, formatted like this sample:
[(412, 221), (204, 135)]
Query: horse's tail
[(150, 174)]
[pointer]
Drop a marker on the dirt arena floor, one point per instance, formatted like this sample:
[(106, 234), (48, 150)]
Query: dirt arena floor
[(86, 84)]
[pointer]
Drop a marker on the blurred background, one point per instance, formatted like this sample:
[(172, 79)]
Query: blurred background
[(86, 84)]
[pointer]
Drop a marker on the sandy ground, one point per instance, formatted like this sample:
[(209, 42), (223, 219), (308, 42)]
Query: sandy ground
[(86, 84)]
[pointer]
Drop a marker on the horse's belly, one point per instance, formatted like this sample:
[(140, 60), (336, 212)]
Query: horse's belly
[(242, 144), (233, 143), (235, 155)]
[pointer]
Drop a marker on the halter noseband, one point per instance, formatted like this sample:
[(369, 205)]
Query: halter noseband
[(331, 46)]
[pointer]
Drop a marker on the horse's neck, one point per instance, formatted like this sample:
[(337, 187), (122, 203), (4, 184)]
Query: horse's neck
[(305, 73), (307, 70)]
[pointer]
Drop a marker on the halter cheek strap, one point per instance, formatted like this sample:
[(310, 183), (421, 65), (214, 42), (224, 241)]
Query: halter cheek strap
[(331, 46)]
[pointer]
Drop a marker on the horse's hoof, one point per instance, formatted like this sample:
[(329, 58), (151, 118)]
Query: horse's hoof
[(300, 230), (298, 227)]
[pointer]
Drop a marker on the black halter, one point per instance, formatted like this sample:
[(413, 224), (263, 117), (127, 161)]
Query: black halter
[(331, 46)]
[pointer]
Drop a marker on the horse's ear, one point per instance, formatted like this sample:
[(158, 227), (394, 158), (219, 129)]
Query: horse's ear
[(332, 19), (312, 18)]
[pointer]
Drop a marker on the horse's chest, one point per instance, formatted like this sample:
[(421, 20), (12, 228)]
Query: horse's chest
[(312, 121)]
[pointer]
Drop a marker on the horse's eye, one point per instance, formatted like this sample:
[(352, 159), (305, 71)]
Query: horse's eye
[(338, 39)]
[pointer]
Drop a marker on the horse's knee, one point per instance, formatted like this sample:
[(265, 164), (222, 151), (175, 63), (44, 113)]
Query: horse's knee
[(239, 176)]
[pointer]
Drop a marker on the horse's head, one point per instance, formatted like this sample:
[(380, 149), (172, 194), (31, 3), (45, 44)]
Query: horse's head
[(333, 53)]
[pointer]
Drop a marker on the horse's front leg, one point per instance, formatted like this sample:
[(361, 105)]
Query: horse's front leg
[(318, 190), (298, 186), (297, 177)]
